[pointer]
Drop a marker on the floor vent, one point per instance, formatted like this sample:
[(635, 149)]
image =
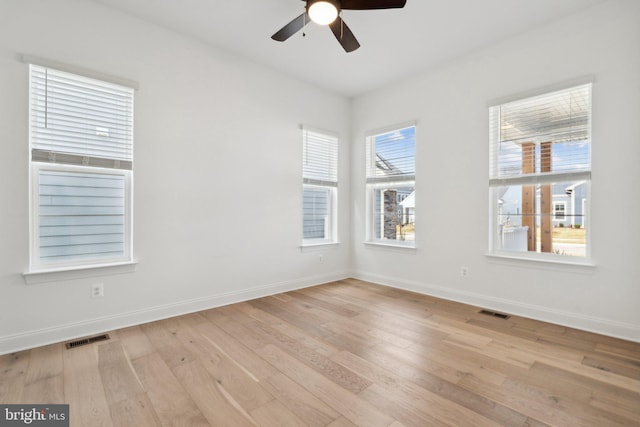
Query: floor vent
[(495, 314), (85, 341)]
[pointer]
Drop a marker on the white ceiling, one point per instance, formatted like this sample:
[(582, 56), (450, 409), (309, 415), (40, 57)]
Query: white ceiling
[(395, 43)]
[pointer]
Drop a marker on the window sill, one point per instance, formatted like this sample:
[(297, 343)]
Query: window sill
[(390, 245), (318, 246), (525, 258), (70, 273)]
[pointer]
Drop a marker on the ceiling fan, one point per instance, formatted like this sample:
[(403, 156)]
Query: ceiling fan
[(327, 12)]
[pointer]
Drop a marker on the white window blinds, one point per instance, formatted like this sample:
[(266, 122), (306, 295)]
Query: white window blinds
[(79, 120), (391, 156), (546, 134), (319, 158), (81, 216)]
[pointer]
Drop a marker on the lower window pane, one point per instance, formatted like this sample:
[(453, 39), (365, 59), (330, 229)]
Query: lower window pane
[(81, 216), (394, 213), (544, 218), (315, 213)]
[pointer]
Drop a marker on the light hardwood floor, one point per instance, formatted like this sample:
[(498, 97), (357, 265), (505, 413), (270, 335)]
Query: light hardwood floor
[(342, 354)]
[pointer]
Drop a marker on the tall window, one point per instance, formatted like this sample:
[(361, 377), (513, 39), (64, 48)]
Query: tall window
[(391, 166), (540, 172), (319, 187), (81, 144)]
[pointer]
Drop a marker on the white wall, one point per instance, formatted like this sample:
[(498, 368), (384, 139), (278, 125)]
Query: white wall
[(206, 235), (450, 106), (218, 189)]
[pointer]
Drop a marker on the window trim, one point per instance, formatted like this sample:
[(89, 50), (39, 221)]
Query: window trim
[(80, 71), (537, 178), (38, 271), (81, 272), (579, 81), (374, 183), (332, 236), (541, 261)]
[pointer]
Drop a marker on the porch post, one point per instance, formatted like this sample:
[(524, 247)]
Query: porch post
[(390, 206), (546, 201), (529, 194)]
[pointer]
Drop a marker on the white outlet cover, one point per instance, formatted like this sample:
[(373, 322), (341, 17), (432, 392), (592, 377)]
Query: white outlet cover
[(97, 290)]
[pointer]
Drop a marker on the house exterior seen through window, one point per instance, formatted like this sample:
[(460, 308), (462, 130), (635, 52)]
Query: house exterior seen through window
[(81, 145), (558, 213), (540, 173), (390, 185)]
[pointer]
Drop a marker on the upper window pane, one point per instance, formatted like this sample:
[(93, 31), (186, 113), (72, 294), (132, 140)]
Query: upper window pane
[(78, 115), (319, 157), (392, 153), (522, 130)]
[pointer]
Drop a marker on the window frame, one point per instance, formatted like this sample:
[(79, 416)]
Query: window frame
[(65, 161), (376, 183), (331, 226), (538, 179)]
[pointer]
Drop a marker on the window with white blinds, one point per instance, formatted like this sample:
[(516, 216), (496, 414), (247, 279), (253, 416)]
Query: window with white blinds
[(540, 159), (320, 182), (390, 180), (81, 161)]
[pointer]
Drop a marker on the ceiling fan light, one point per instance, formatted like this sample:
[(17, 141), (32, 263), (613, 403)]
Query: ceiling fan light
[(323, 12)]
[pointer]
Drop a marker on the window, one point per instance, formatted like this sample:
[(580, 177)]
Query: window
[(319, 187), (391, 186), (540, 172), (559, 209), (81, 142)]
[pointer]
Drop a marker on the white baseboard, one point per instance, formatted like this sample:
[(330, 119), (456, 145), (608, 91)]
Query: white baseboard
[(597, 325), (66, 332)]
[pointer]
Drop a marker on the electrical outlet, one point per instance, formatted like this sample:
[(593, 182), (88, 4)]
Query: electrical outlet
[(464, 271), (321, 258), (97, 290)]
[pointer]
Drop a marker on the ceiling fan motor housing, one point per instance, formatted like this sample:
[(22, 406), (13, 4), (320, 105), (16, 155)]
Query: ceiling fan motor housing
[(323, 12)]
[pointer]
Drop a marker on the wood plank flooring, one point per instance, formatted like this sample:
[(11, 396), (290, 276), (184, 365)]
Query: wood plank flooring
[(344, 354)]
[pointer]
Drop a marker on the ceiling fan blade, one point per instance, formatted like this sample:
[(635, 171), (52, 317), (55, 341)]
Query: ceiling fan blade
[(372, 4), (291, 28), (344, 35)]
